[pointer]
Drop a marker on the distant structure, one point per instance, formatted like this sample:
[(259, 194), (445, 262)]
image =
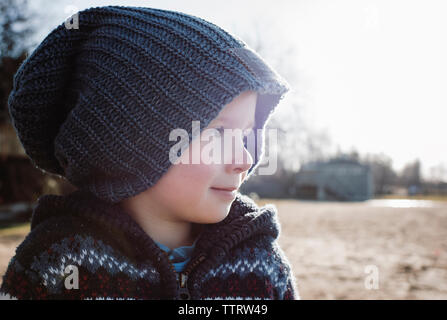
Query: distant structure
[(337, 179), (266, 186)]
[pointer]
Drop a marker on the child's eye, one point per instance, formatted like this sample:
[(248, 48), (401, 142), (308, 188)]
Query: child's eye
[(245, 132), (220, 129)]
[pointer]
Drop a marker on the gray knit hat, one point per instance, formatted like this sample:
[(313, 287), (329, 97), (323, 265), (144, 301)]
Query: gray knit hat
[(96, 103)]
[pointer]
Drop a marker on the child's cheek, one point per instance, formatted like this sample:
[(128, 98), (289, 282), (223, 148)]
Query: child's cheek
[(202, 176), (190, 180), (192, 177)]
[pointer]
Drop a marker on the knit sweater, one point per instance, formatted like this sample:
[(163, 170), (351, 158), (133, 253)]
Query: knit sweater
[(79, 237)]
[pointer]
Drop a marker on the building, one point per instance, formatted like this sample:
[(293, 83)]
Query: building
[(337, 179)]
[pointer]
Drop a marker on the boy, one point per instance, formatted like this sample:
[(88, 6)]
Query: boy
[(98, 105)]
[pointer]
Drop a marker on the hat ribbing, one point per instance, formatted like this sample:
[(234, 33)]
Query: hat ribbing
[(96, 104)]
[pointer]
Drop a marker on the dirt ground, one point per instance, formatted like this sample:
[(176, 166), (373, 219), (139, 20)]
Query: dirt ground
[(335, 249), (9, 240), (351, 250)]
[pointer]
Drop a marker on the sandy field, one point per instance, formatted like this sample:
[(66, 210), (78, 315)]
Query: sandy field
[(350, 250), (336, 248)]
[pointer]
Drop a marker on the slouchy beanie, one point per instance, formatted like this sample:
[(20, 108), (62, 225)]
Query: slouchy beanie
[(96, 104)]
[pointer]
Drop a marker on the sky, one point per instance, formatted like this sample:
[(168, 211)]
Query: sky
[(372, 74)]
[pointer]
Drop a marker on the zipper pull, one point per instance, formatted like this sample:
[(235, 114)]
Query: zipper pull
[(182, 279), (183, 293)]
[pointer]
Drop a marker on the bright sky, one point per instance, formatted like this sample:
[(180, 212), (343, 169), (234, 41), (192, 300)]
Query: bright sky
[(371, 73)]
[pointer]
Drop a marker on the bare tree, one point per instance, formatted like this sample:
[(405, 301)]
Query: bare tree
[(15, 34), (438, 173), (382, 170), (15, 30), (411, 174), (298, 141)]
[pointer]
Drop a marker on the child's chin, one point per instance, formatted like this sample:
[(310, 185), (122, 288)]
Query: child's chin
[(215, 216)]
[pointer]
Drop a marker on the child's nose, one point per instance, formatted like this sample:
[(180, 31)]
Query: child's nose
[(241, 159)]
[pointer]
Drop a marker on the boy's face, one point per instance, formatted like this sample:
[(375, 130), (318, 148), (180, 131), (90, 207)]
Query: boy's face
[(185, 192)]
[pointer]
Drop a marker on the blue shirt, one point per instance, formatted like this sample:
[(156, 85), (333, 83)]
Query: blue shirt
[(179, 256)]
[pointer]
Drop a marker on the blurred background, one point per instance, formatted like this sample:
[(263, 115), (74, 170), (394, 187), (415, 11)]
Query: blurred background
[(361, 179)]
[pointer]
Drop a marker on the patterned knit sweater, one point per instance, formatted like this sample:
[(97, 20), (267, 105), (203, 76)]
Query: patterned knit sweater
[(80, 247)]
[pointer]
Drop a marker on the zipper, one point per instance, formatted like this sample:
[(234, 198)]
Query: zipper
[(183, 292), (182, 278)]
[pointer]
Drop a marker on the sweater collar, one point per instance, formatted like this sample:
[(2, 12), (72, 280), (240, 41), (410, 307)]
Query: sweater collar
[(244, 220)]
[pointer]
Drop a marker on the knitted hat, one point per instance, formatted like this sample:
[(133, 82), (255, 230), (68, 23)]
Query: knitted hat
[(96, 103)]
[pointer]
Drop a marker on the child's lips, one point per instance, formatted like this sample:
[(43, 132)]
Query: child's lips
[(225, 188), (227, 193)]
